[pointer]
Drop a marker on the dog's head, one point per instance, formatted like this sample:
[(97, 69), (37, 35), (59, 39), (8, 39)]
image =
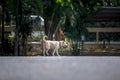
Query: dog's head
[(63, 44)]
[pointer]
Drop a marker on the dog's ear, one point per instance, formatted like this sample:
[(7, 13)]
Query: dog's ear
[(45, 37)]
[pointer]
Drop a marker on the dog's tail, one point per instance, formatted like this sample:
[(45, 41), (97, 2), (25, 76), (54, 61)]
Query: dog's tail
[(45, 38)]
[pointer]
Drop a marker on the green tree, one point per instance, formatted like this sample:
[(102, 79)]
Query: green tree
[(66, 14)]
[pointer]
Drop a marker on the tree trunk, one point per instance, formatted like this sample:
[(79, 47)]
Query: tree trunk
[(24, 47), (60, 35), (2, 30), (18, 23), (16, 29)]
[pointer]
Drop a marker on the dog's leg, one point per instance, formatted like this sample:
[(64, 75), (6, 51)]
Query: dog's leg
[(57, 52), (53, 52), (43, 52), (47, 53)]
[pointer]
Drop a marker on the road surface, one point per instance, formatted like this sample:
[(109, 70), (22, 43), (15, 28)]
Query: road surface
[(60, 68)]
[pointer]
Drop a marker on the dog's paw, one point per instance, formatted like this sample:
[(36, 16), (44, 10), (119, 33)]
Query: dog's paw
[(58, 55)]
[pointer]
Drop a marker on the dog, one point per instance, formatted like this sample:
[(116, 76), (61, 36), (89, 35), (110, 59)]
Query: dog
[(52, 45)]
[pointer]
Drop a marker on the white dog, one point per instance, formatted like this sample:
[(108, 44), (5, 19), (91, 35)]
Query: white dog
[(52, 45)]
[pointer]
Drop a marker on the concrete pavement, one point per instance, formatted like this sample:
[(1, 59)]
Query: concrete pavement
[(60, 68)]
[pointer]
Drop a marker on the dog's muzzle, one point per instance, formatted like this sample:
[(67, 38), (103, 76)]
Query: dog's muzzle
[(63, 44)]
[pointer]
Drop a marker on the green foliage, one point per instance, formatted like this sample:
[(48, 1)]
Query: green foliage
[(10, 6), (25, 28), (75, 21), (8, 47)]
